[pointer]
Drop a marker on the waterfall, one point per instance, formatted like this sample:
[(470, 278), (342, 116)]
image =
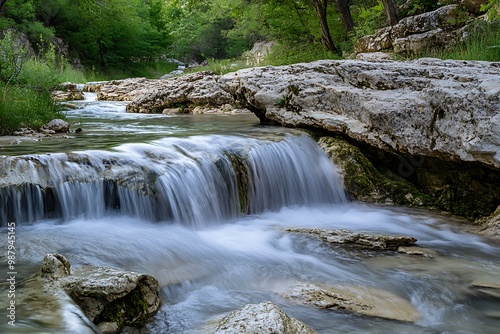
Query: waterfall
[(193, 181)]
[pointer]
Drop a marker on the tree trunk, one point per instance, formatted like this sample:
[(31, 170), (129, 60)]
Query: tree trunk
[(391, 10), (345, 14), (321, 11), (2, 3)]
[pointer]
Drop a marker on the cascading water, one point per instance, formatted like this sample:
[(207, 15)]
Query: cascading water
[(201, 203), (192, 181)]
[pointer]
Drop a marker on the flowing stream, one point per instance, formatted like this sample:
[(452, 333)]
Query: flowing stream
[(200, 202)]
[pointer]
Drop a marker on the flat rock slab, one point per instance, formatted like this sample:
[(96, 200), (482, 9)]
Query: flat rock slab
[(365, 240), (263, 318), (363, 300), (447, 109)]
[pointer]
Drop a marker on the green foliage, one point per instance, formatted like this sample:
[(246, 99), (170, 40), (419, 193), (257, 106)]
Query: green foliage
[(492, 8), (482, 43), (283, 54), (12, 58), (22, 106)]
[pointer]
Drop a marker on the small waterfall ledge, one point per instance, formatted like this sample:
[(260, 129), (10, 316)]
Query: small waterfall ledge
[(193, 181)]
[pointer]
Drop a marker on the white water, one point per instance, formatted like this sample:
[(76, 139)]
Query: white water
[(211, 260)]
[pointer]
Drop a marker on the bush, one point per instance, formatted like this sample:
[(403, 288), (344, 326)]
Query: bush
[(21, 106)]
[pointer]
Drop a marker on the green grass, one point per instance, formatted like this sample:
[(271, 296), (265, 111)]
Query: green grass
[(22, 106), (482, 43), (146, 69)]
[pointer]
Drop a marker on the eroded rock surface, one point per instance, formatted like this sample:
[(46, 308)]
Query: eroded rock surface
[(105, 295), (443, 109), (67, 91), (366, 240), (363, 300), (491, 225), (263, 318)]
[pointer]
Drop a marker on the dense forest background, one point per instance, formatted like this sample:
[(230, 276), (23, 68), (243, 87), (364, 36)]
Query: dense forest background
[(46, 42), (107, 34)]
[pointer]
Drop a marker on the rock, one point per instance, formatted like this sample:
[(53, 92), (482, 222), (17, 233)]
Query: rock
[(263, 318), (105, 295), (443, 109), (197, 89), (381, 40), (259, 51), (365, 240), (55, 266), (108, 327), (490, 225), (363, 181), (415, 250), (413, 34), (57, 125), (67, 91), (363, 300), (121, 90), (374, 56), (486, 289)]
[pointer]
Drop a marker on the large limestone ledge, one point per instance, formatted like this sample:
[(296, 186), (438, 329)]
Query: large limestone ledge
[(444, 109)]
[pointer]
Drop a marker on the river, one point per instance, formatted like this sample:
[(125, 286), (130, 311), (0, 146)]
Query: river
[(160, 194)]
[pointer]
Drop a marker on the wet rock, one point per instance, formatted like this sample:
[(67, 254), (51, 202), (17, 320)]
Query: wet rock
[(67, 91), (363, 300), (57, 125), (105, 295), (263, 318), (415, 250), (365, 240), (363, 181), (490, 225), (486, 289)]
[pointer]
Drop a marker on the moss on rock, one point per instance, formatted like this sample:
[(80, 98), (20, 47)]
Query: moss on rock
[(363, 181)]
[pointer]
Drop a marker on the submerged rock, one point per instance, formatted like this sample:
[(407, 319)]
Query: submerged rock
[(365, 240), (263, 318), (363, 300), (110, 298)]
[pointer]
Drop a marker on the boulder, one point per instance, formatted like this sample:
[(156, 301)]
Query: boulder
[(196, 89), (67, 91), (367, 301), (361, 239), (440, 28), (108, 297), (488, 290), (263, 318), (443, 109), (57, 125)]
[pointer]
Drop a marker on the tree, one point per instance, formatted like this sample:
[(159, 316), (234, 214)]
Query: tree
[(321, 7), (391, 10), (345, 14)]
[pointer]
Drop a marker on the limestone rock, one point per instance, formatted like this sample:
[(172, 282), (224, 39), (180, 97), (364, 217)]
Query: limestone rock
[(197, 89), (108, 297), (365, 240), (121, 90), (67, 91), (55, 266), (263, 318), (57, 125), (490, 225), (363, 182), (363, 300), (415, 250), (436, 29), (444, 109), (486, 289)]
